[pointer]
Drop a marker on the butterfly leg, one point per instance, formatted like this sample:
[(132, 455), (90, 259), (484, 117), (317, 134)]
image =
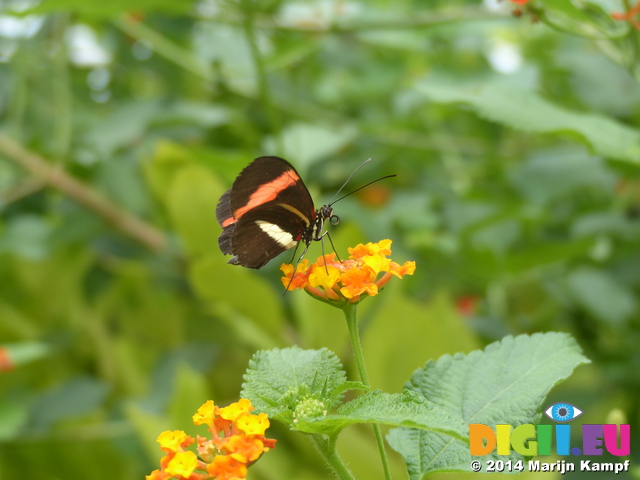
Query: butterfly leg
[(332, 245), (295, 269)]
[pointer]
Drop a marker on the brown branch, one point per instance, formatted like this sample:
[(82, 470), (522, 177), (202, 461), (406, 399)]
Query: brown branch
[(84, 194)]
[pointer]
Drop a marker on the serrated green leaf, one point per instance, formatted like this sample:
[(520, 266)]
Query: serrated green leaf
[(527, 111), (277, 377), (504, 384), (405, 409)]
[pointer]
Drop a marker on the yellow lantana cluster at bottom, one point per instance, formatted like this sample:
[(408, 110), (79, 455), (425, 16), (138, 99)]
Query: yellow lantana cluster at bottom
[(237, 440)]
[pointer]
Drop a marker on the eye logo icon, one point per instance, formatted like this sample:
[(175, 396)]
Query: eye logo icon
[(563, 412)]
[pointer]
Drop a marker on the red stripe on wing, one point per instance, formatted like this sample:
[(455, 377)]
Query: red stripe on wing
[(265, 193)]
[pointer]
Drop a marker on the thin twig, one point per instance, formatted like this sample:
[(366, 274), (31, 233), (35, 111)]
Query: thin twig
[(85, 195), (28, 187), (340, 26)]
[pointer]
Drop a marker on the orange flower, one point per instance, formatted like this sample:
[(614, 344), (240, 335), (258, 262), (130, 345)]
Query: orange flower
[(5, 360), (630, 16), (363, 274), (245, 449), (519, 2), (237, 440), (467, 305), (227, 468)]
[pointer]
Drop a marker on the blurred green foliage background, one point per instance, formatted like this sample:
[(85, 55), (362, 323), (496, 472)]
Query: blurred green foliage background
[(514, 140)]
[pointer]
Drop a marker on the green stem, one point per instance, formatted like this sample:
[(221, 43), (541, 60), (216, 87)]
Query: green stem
[(62, 127), (633, 40), (328, 450), (399, 23), (165, 47), (261, 72), (350, 313)]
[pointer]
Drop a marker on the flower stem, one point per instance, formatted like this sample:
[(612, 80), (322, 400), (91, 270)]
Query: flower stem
[(328, 450), (350, 313)]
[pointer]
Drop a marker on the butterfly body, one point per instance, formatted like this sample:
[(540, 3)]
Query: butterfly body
[(267, 211)]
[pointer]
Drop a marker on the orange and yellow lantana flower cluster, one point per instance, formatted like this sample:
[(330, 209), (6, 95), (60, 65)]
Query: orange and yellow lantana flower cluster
[(237, 441), (364, 273)]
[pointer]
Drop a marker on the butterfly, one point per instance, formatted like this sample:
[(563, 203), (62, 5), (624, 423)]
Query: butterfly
[(269, 210)]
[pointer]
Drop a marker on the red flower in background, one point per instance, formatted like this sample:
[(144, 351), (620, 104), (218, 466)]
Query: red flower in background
[(629, 16), (6, 363), (467, 305)]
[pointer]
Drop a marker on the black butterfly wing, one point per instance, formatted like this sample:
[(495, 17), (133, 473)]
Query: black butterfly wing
[(265, 212), (264, 233)]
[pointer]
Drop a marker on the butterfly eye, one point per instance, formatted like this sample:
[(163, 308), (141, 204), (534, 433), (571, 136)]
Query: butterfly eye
[(563, 412), (334, 219)]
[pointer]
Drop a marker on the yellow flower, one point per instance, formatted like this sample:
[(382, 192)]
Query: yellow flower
[(205, 414), (237, 440), (233, 411), (183, 464), (253, 424), (172, 441), (363, 274)]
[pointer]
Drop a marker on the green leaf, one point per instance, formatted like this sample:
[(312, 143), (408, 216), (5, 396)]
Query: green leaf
[(555, 174), (582, 18), (405, 409), (13, 417), (504, 384), (78, 396), (527, 111), (26, 352), (190, 392), (308, 143), (27, 236), (257, 322), (278, 380), (600, 294), (414, 328), (111, 8), (192, 201)]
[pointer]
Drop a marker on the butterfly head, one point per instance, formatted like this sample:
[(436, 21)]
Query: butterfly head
[(322, 214)]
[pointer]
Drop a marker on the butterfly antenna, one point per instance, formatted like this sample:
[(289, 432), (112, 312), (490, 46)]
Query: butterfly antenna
[(358, 189), (348, 179)]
